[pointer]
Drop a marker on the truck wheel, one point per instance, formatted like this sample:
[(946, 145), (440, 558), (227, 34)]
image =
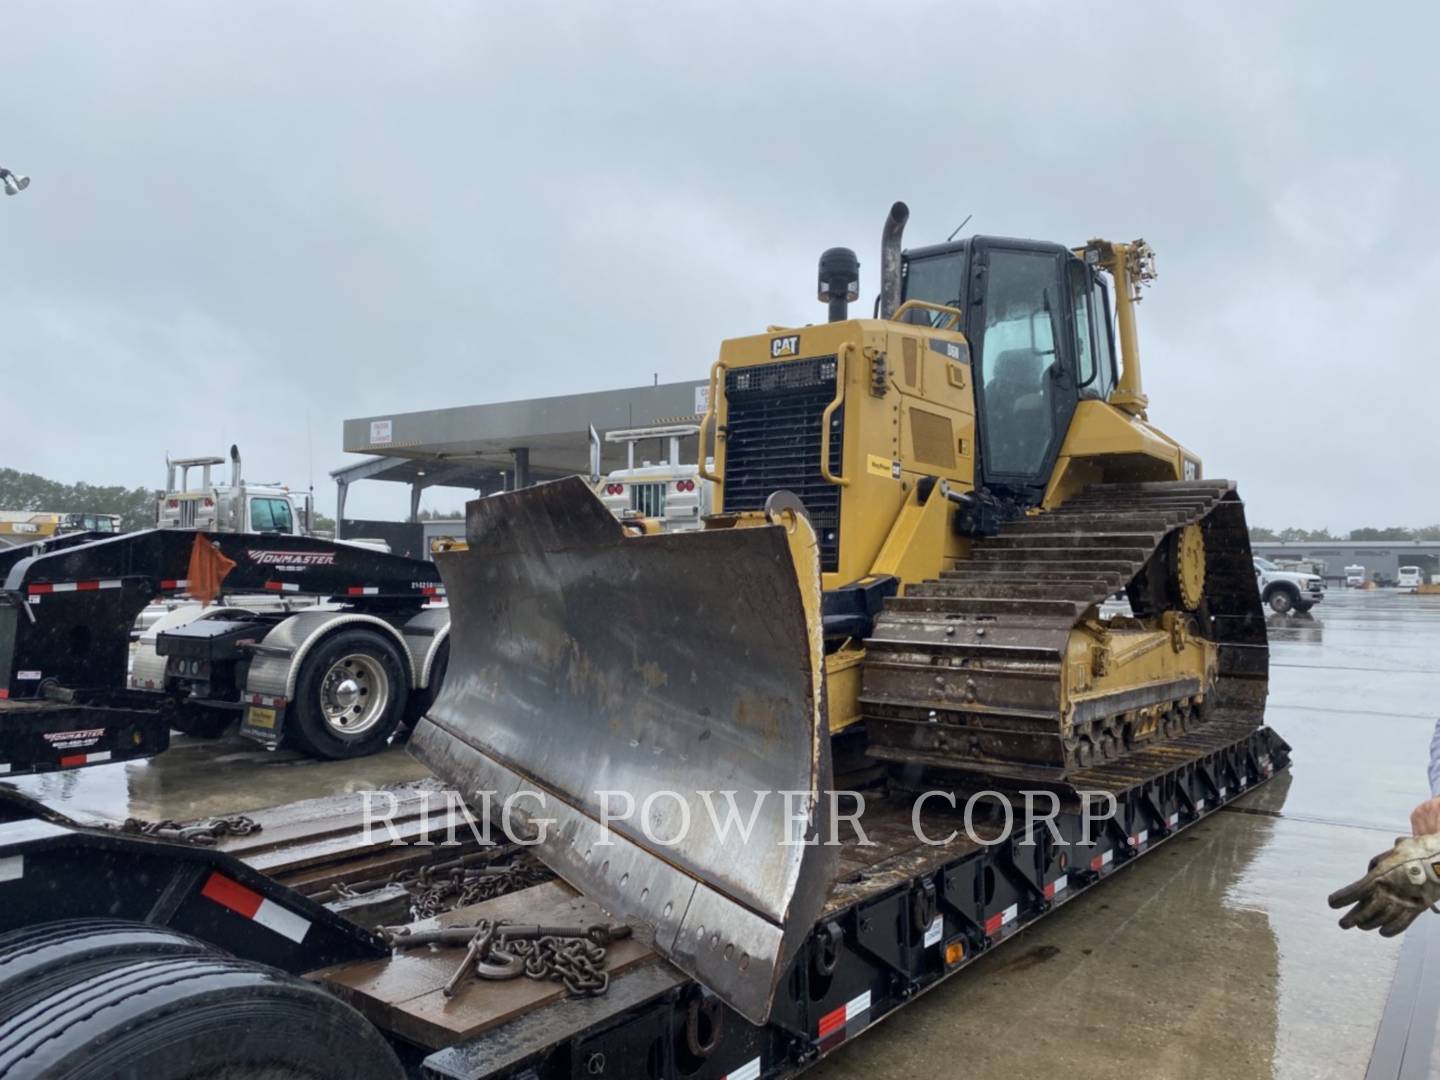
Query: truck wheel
[(1303, 606), (350, 696), (421, 700), (1281, 599), (42, 960), (186, 1018)]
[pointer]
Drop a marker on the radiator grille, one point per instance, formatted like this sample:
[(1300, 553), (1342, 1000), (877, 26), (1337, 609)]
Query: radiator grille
[(772, 442), (648, 499)]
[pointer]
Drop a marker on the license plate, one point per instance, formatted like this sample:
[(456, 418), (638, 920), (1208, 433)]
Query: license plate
[(261, 717)]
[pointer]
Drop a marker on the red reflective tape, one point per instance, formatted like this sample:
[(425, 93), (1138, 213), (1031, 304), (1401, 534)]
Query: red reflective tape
[(4, 693), (86, 586), (993, 923), (39, 589), (354, 590), (70, 761), (832, 1022), (229, 893), (1049, 890), (275, 586)]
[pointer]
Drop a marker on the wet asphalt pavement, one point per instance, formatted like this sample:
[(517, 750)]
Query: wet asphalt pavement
[(1213, 956)]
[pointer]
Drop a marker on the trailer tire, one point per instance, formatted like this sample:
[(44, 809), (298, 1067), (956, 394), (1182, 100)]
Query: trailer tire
[(178, 1018), (423, 697), (353, 678), (42, 960)]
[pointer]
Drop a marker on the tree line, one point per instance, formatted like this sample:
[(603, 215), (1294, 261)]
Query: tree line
[(1393, 532), (27, 491)]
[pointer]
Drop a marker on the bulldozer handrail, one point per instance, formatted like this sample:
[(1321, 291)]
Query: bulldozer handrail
[(708, 422), (840, 355), (956, 315)]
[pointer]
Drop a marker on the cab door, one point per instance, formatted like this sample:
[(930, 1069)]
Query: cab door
[(1021, 329)]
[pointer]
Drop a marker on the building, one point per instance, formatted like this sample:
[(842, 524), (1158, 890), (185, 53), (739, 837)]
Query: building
[(1383, 557), (500, 446)]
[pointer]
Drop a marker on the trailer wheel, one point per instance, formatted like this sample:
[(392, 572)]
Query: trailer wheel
[(42, 960), (350, 696), (187, 1018), (422, 699)]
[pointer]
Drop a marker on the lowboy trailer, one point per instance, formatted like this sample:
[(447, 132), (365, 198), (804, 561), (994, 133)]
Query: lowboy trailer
[(336, 678), (114, 947)]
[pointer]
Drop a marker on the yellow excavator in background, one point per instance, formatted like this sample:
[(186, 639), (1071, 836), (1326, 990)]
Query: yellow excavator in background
[(927, 522)]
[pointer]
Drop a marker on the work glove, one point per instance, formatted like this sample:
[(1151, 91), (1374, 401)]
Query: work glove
[(1402, 883)]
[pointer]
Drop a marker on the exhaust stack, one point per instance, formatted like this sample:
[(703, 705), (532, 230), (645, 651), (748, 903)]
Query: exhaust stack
[(234, 466), (890, 259)]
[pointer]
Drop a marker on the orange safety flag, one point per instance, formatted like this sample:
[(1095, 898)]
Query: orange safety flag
[(208, 567)]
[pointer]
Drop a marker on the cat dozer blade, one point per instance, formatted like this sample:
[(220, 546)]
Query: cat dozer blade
[(644, 682)]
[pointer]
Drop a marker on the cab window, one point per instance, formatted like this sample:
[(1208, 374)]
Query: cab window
[(939, 279), (1085, 373), (1104, 339), (271, 515), (1022, 329)]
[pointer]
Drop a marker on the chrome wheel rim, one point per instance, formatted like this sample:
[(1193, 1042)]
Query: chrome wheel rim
[(354, 694)]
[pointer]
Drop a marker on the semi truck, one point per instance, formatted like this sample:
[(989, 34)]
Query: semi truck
[(336, 678), (670, 493), (203, 502)]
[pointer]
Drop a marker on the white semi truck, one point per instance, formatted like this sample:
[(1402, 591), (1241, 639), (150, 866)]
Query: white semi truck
[(236, 507), (668, 492)]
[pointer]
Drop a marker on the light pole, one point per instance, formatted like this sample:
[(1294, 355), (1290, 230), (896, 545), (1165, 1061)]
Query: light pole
[(14, 184)]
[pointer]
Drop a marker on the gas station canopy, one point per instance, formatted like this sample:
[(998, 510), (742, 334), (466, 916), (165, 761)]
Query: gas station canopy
[(508, 444)]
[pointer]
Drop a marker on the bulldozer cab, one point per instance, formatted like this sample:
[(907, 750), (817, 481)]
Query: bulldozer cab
[(1037, 318)]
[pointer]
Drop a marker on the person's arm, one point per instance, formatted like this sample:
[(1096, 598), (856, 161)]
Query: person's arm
[(1425, 818)]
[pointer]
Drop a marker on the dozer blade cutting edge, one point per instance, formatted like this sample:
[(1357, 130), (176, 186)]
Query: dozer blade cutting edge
[(665, 670)]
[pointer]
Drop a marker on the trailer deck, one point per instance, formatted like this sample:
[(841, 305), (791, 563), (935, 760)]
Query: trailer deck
[(902, 915)]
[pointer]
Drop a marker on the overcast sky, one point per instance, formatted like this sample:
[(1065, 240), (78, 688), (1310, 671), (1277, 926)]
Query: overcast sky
[(250, 221)]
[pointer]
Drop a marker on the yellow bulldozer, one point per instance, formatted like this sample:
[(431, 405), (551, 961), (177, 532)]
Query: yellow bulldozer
[(948, 539)]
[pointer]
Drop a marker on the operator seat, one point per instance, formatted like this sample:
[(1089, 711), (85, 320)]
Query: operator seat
[(1017, 400)]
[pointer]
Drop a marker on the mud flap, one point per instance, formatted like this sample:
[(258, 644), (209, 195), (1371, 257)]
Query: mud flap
[(641, 701)]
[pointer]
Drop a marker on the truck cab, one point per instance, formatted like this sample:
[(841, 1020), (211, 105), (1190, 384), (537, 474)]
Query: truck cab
[(95, 523), (236, 507)]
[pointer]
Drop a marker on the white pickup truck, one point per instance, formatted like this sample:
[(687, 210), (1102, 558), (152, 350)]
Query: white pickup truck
[(1287, 590)]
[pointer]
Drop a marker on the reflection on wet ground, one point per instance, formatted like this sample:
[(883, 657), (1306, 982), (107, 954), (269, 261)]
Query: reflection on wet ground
[(1214, 956), (200, 777)]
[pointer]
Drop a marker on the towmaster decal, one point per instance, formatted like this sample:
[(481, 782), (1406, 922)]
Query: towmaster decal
[(297, 561), (73, 740)]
